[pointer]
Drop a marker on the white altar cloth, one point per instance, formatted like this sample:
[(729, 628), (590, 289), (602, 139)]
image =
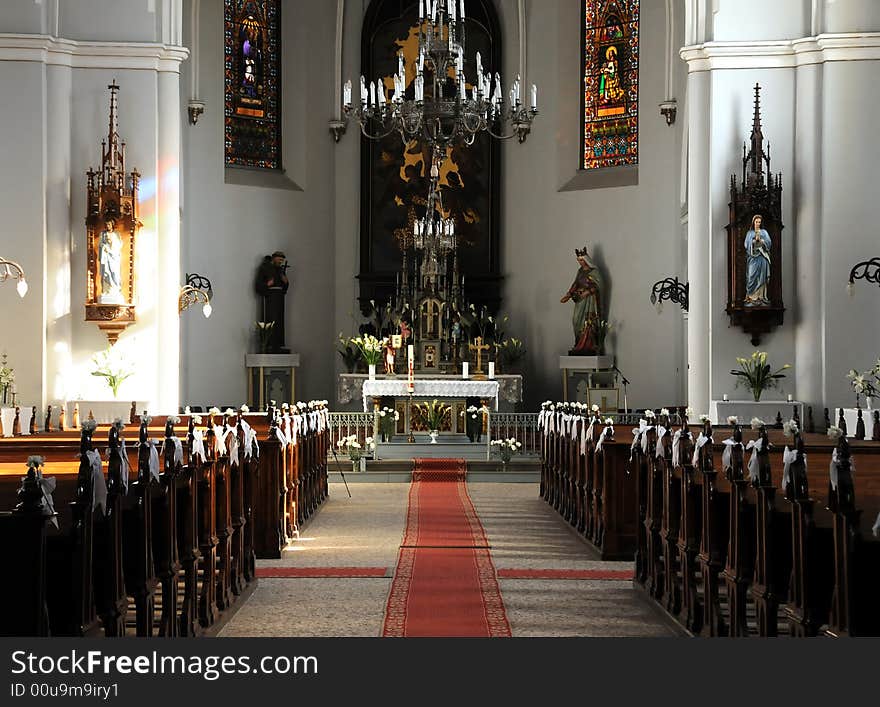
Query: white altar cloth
[(430, 388)]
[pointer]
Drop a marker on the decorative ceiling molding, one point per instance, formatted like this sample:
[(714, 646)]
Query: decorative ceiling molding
[(91, 55), (783, 54)]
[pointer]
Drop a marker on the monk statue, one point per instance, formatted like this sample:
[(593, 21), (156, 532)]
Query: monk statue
[(272, 284)]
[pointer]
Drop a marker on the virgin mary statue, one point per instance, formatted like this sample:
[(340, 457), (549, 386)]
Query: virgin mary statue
[(757, 246), (585, 292)]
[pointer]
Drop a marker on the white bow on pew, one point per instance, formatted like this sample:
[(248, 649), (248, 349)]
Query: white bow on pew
[(756, 445), (726, 455), (676, 448), (153, 460), (124, 468), (233, 450), (661, 433), (99, 484), (198, 444), (876, 527), (282, 438), (220, 435), (48, 486), (609, 428), (250, 441), (788, 457), (178, 449), (835, 466), (701, 441)]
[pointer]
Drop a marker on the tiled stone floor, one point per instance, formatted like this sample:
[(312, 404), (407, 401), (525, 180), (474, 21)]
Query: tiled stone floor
[(366, 530)]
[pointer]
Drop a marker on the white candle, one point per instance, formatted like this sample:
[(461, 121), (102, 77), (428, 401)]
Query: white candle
[(725, 398), (421, 9), (462, 10), (790, 398), (534, 97), (464, 369), (491, 369)]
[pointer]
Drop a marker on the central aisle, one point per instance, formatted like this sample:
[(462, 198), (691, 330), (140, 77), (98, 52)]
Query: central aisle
[(346, 559)]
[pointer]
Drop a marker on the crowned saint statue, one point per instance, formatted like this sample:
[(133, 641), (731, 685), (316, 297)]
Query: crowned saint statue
[(272, 285), (586, 293), (110, 250), (757, 245)]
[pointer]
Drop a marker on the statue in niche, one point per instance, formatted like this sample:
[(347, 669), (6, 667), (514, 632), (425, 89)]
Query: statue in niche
[(757, 245), (110, 249), (586, 293), (272, 285)]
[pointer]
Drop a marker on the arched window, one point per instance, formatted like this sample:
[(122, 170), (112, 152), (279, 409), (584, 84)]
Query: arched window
[(252, 76), (611, 83), (395, 177)]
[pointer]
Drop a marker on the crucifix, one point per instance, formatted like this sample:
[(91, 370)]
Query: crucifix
[(479, 347)]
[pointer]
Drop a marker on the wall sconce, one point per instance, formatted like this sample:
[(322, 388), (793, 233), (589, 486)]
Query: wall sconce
[(670, 289), (866, 270), (9, 269), (668, 110), (197, 289)]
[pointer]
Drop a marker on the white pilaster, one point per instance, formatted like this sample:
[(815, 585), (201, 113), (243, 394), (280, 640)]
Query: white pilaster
[(699, 231)]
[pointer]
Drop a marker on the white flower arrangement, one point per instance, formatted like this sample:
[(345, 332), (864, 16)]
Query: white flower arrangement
[(187, 410), (197, 419), (649, 414), (835, 433), (89, 426), (594, 407), (732, 420), (146, 419), (371, 348), (244, 409), (689, 413), (229, 412), (790, 428), (506, 448), (35, 461), (757, 423), (609, 422), (214, 411), (353, 448), (285, 406), (175, 420), (704, 418), (664, 412), (118, 424)]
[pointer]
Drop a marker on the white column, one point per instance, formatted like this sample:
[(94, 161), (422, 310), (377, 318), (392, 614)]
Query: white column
[(808, 313), (168, 232), (699, 232)]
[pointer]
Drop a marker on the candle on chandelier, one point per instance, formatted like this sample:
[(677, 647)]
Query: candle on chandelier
[(534, 97), (462, 16)]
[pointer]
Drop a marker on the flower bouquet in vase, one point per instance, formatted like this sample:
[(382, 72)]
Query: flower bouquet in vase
[(388, 423), (867, 384), (111, 366), (356, 451), (757, 375), (7, 381), (506, 448), (372, 350), (434, 415)]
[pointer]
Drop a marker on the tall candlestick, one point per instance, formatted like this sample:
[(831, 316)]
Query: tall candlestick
[(464, 369), (491, 370)]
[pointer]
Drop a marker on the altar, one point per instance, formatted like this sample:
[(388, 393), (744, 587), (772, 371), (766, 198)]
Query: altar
[(503, 390)]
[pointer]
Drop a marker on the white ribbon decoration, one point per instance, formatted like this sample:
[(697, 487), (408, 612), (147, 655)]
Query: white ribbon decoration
[(153, 463), (282, 438), (602, 437), (645, 439), (676, 448), (661, 433), (233, 450), (876, 527), (726, 455), (755, 445), (99, 484), (701, 441), (48, 486), (198, 444), (834, 466), (124, 468), (637, 435), (178, 449), (220, 434), (788, 456)]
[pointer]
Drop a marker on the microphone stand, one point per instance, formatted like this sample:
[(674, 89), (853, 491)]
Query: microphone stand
[(625, 383)]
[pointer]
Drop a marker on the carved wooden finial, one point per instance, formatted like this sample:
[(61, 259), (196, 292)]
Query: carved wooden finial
[(16, 425), (32, 427), (860, 426), (47, 424), (76, 416), (841, 421), (132, 415), (61, 425)]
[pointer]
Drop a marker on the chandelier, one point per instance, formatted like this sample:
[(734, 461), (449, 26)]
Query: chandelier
[(9, 269), (443, 108)]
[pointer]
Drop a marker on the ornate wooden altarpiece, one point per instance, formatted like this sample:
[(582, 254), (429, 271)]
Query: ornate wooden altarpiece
[(111, 227), (759, 193)]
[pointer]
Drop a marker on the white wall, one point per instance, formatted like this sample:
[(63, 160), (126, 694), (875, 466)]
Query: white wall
[(228, 228), (816, 111), (58, 119)]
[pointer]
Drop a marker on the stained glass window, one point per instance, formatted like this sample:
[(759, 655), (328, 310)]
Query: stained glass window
[(252, 63), (611, 83)]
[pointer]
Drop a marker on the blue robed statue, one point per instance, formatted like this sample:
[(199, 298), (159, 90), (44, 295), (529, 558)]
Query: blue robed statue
[(758, 243)]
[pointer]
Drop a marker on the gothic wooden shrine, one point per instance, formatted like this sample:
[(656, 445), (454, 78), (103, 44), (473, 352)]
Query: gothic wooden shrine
[(754, 240), (111, 226)]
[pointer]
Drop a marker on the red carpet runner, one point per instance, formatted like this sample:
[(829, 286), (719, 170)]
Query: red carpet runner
[(445, 583)]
